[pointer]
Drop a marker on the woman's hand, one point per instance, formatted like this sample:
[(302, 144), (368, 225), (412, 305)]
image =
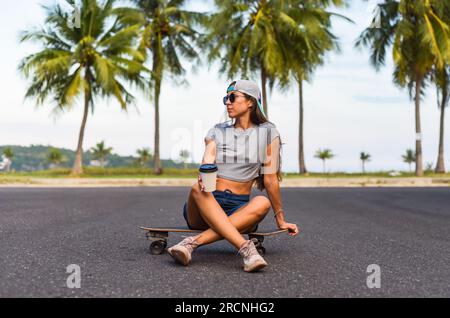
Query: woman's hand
[(293, 229), (200, 183)]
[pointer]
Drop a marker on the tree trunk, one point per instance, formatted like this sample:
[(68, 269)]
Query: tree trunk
[(157, 162), (264, 92), (301, 152), (440, 166), (363, 168), (419, 167), (78, 164), (158, 71), (324, 167)]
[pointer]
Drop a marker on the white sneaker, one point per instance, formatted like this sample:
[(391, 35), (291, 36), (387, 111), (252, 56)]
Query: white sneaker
[(182, 252), (252, 260)]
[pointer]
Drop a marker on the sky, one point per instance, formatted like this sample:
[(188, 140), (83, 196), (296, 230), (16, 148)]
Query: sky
[(348, 106)]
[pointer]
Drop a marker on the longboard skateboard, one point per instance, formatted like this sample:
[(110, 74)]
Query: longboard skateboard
[(159, 237)]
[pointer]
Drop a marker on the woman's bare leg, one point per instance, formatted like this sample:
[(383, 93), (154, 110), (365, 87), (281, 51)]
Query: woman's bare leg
[(195, 218), (244, 219), (213, 214)]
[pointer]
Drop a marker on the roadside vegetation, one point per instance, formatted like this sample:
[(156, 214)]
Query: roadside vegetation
[(120, 50)]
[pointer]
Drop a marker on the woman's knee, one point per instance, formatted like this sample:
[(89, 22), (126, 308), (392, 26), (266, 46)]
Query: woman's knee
[(263, 204), (195, 189), (197, 194)]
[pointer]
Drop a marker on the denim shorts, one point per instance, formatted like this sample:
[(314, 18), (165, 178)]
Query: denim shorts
[(229, 202)]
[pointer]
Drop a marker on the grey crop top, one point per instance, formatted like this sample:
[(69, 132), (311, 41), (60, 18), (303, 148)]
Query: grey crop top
[(240, 153)]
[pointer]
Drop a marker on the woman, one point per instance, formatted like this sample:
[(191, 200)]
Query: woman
[(228, 212)]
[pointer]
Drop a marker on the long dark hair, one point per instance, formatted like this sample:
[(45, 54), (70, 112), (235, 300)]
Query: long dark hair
[(258, 118)]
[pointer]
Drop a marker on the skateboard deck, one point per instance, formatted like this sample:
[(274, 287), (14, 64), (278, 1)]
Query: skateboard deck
[(159, 237)]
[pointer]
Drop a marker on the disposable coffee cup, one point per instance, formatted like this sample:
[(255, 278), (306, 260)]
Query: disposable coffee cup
[(208, 173)]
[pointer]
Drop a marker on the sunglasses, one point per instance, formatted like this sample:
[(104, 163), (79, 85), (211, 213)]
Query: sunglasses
[(232, 97)]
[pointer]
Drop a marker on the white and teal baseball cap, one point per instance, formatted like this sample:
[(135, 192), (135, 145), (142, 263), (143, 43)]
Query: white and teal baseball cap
[(250, 88)]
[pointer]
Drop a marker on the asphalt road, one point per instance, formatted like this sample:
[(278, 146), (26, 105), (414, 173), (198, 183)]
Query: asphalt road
[(405, 231)]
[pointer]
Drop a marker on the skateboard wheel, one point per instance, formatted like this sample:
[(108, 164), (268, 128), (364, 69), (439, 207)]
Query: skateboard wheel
[(261, 250), (255, 241), (157, 247)]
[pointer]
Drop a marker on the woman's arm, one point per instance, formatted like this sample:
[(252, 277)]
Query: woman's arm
[(210, 151), (273, 191), (208, 157), (272, 186)]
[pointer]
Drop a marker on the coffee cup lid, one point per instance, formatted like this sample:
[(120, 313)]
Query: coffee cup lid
[(208, 168)]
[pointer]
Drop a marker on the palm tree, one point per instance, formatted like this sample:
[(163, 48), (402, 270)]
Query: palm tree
[(184, 155), (100, 152), (324, 155), (93, 60), (144, 156), (308, 38), (419, 39), (8, 153), (364, 157), (55, 157), (247, 37), (409, 157), (442, 80), (166, 31)]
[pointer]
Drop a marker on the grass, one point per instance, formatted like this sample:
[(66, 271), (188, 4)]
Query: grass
[(141, 173), (94, 172), (10, 179), (379, 174)]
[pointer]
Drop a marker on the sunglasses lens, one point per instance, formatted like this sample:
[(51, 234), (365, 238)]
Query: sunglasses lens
[(231, 97)]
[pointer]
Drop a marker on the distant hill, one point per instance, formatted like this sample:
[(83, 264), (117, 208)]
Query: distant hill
[(34, 158)]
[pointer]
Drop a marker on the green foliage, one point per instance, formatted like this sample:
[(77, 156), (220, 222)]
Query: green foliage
[(35, 158), (364, 156), (409, 157), (418, 35), (441, 75), (110, 172), (144, 156), (307, 37), (166, 31), (94, 59), (246, 36), (8, 153), (136, 171), (55, 156), (324, 154), (100, 152)]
